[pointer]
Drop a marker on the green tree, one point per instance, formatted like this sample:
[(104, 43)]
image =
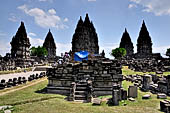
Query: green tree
[(168, 52), (118, 52), (33, 51), (38, 51)]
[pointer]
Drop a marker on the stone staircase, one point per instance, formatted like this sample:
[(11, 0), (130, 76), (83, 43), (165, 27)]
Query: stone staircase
[(80, 92)]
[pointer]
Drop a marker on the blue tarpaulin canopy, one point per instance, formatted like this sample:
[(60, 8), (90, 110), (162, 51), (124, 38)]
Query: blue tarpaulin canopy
[(82, 55)]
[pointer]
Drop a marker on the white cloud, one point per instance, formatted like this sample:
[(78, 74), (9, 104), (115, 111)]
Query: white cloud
[(52, 11), (158, 7), (91, 0), (13, 18), (4, 48), (44, 19), (45, 1), (66, 20), (160, 49), (2, 34), (132, 6), (62, 48), (36, 41), (31, 34), (42, 0), (107, 47)]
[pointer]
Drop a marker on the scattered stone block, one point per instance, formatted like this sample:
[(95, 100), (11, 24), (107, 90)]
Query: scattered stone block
[(7, 111), (96, 101), (5, 107), (2, 84), (159, 72), (115, 97), (124, 95), (131, 99), (147, 96), (147, 79), (132, 91), (10, 83), (161, 96), (163, 105)]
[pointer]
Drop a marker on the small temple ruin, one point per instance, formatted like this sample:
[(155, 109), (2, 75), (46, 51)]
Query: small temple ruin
[(20, 44), (85, 37), (127, 43), (144, 45), (50, 45)]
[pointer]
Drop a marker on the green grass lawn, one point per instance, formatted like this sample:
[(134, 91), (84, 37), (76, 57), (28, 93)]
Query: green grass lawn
[(28, 101)]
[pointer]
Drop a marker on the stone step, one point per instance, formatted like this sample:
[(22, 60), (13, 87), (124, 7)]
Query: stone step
[(84, 85), (80, 98), (80, 92), (81, 88)]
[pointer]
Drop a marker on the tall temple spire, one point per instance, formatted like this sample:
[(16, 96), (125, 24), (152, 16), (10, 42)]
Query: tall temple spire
[(144, 34), (144, 43), (79, 24), (21, 30), (20, 43), (49, 44), (126, 43), (87, 20)]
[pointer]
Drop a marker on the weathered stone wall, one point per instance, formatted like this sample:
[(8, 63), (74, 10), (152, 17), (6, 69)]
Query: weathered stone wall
[(148, 65), (102, 73)]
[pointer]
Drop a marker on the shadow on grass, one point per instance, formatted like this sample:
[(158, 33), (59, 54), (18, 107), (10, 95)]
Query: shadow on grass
[(42, 91)]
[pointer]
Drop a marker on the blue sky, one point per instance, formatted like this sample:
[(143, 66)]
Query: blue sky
[(110, 17)]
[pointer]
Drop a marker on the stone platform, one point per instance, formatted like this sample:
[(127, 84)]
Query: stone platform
[(98, 75)]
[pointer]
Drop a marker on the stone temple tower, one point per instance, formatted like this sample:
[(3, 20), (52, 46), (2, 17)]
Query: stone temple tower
[(127, 43), (20, 44), (49, 44), (144, 43), (85, 37)]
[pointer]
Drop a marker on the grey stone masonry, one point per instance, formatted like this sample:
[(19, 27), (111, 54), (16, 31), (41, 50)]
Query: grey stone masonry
[(102, 73)]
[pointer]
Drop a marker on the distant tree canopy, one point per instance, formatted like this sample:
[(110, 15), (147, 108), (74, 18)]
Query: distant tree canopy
[(118, 52), (168, 52), (38, 51)]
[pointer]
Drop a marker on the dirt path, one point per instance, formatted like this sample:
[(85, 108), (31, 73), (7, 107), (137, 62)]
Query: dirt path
[(25, 86)]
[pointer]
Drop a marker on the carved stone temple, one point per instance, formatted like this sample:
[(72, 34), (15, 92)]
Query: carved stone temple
[(20, 44), (85, 37), (49, 44), (127, 43), (144, 44)]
